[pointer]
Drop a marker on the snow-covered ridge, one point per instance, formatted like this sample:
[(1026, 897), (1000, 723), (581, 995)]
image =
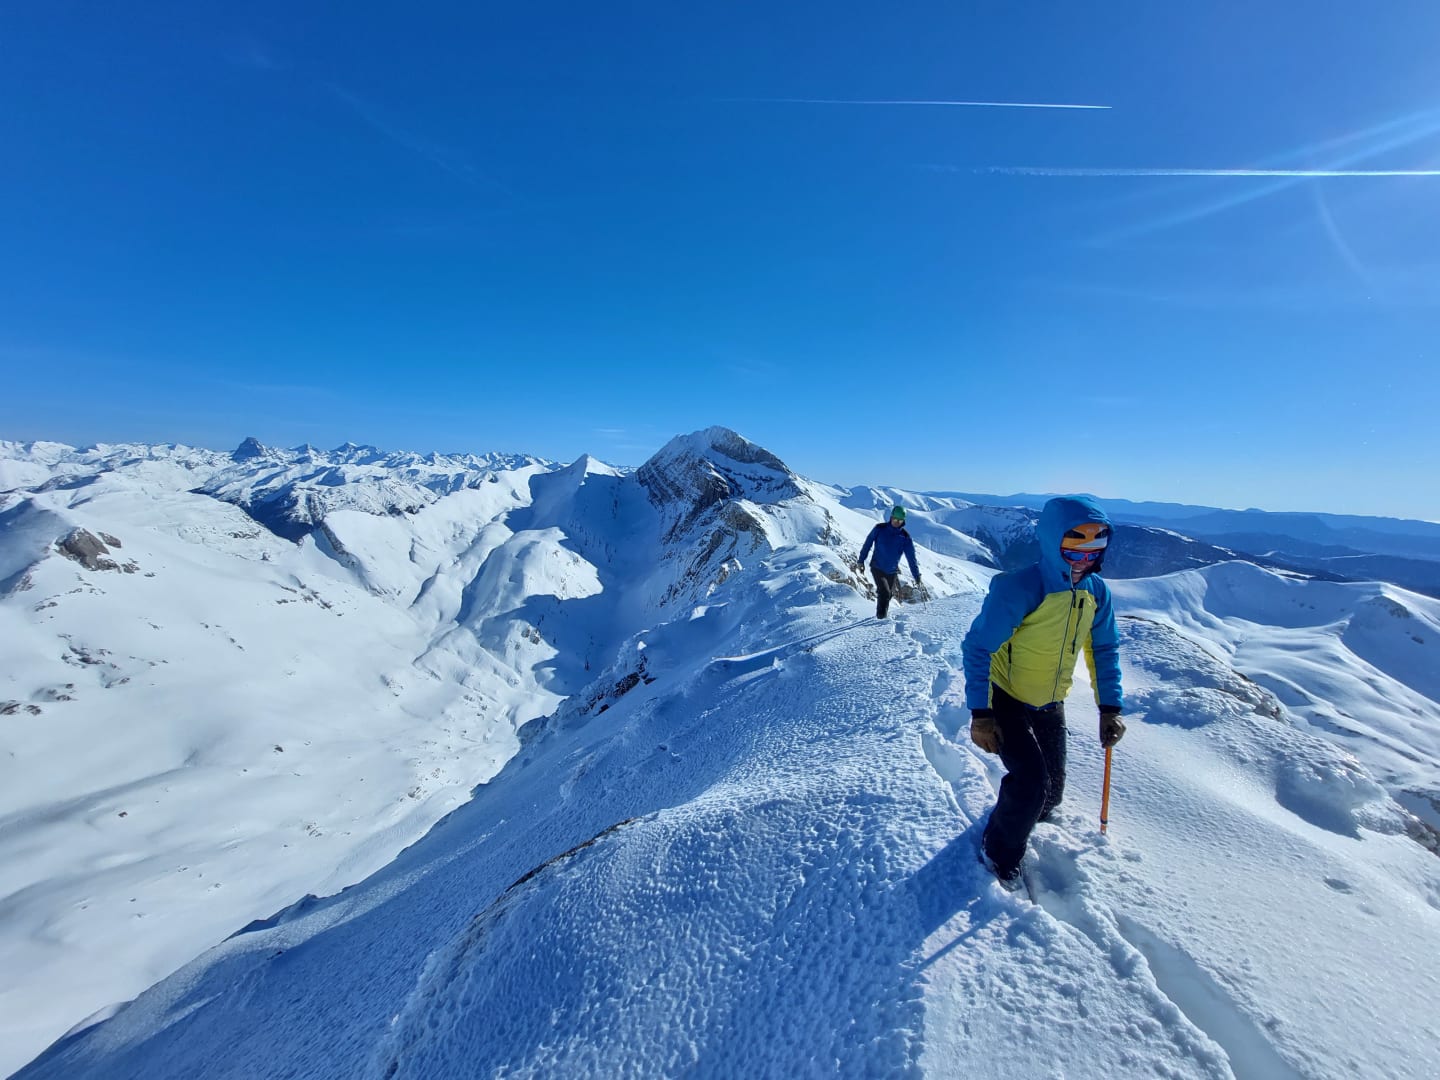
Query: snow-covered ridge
[(314, 655)]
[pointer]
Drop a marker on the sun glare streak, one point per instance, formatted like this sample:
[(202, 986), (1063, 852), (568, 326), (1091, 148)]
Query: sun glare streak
[(1342, 247), (1370, 143), (1346, 155)]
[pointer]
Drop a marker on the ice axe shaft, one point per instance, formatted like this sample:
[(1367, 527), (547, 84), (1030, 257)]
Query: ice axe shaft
[(1105, 794)]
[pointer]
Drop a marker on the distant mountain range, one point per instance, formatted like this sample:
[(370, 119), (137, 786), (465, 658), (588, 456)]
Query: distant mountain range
[(1335, 547)]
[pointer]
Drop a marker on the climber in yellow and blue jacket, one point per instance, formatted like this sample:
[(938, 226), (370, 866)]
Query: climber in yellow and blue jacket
[(1019, 659)]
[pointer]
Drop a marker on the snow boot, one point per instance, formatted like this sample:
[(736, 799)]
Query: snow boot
[(1010, 882)]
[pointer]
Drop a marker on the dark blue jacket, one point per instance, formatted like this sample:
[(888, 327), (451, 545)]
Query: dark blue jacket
[(890, 543)]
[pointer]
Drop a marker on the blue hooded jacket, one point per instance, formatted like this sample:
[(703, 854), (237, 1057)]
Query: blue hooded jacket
[(890, 543), (1034, 623)]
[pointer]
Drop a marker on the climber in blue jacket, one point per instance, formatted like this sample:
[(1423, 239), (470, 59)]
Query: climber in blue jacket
[(890, 542)]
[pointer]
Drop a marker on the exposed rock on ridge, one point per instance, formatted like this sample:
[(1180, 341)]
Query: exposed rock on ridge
[(705, 486), (693, 473)]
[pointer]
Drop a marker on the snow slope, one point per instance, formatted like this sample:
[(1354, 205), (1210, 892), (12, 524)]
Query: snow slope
[(223, 728), (763, 863), (206, 720), (1357, 662)]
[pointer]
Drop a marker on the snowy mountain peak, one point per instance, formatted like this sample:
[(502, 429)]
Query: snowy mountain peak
[(694, 473), (585, 465), (350, 449), (249, 450), (40, 451), (723, 443)]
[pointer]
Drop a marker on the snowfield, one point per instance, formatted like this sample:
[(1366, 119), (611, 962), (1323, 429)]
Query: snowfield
[(624, 779)]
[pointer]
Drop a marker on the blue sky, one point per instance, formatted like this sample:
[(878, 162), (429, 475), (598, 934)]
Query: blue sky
[(563, 228)]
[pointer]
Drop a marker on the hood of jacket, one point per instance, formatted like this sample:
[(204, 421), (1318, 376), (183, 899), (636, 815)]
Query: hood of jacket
[(1062, 513)]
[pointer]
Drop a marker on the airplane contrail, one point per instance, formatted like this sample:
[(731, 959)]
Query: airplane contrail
[(1027, 170), (952, 104)]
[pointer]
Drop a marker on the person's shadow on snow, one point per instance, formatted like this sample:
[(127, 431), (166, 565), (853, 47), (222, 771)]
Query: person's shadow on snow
[(951, 882)]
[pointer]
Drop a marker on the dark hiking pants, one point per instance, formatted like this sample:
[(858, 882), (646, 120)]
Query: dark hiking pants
[(1032, 748), (885, 586)]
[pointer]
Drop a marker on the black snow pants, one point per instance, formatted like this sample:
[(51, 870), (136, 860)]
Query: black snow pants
[(1032, 748), (885, 585)]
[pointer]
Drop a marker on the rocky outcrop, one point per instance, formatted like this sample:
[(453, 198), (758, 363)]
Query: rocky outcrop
[(91, 552), (692, 474), (707, 488)]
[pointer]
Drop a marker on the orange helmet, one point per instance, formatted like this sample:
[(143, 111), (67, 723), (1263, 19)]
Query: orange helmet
[(1091, 536)]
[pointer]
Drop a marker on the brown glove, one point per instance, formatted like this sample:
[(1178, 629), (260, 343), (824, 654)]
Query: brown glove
[(1111, 727), (984, 732)]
